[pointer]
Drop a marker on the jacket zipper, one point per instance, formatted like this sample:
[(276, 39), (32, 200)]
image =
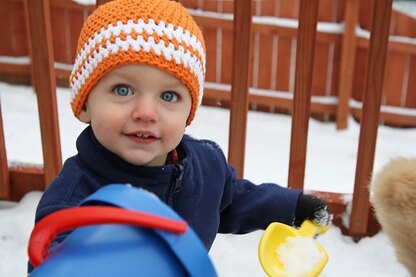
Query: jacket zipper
[(177, 184)]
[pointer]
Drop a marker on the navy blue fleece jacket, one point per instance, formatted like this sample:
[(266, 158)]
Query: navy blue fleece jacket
[(202, 188)]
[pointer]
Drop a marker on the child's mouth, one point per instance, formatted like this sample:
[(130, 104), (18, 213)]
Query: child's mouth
[(143, 137)]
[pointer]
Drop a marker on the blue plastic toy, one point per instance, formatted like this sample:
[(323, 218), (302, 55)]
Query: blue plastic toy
[(120, 231)]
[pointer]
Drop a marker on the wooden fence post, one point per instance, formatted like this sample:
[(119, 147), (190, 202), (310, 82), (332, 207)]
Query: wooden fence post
[(371, 111), (100, 2), (346, 72), (308, 17), (239, 85), (4, 170), (43, 76)]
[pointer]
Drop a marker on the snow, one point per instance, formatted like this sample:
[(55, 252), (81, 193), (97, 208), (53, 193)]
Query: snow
[(325, 100), (25, 60), (331, 161), (85, 2), (298, 256), (407, 7)]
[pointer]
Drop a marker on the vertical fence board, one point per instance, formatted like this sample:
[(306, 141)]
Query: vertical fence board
[(4, 170), (336, 65), (404, 25), (210, 37), (284, 56), (76, 19), (326, 14), (209, 6), (227, 49), (58, 29), (411, 88), (264, 64), (365, 14), (239, 86), (193, 4), (288, 9), (228, 7), (340, 10), (320, 68), (346, 71), (101, 2), (5, 11), (308, 16), (268, 7), (18, 30), (370, 120), (360, 71), (43, 75), (395, 72)]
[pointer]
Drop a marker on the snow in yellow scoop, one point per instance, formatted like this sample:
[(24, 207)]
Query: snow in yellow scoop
[(285, 251)]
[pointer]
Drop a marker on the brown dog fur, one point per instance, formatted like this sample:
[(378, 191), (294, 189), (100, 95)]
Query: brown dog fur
[(393, 195)]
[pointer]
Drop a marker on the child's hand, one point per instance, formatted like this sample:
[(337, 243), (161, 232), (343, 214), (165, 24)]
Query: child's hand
[(312, 208)]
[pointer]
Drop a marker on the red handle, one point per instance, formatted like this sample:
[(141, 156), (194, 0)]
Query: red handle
[(47, 228)]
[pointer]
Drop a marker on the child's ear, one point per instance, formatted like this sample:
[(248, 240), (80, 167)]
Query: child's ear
[(84, 115)]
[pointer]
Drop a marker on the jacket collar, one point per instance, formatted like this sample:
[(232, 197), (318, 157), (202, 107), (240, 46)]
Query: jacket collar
[(115, 169)]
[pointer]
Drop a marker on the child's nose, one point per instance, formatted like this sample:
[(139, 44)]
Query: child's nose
[(145, 109)]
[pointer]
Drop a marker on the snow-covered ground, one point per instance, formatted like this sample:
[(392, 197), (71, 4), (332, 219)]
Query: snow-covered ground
[(331, 161), (407, 7)]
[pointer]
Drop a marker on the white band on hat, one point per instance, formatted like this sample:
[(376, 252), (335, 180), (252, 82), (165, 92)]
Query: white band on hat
[(89, 59)]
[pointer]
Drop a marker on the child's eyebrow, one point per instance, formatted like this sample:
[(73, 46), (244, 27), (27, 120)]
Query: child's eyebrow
[(174, 83), (125, 76)]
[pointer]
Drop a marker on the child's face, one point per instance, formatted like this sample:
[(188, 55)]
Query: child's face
[(139, 113)]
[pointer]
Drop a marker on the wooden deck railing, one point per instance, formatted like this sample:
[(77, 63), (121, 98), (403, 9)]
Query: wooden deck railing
[(240, 84), (305, 50), (337, 87), (43, 79), (370, 119), (15, 182), (4, 170)]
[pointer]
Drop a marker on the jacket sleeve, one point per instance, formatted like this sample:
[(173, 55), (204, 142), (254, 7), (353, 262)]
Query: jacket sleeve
[(247, 207)]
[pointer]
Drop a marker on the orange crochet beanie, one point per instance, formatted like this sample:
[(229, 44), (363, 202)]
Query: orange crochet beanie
[(159, 33)]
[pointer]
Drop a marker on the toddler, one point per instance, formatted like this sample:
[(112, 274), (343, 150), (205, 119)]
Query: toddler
[(137, 81)]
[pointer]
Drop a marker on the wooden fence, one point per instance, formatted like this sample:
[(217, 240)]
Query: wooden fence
[(314, 68), (339, 73)]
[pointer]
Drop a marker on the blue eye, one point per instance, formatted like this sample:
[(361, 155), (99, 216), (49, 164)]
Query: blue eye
[(122, 90), (169, 96)]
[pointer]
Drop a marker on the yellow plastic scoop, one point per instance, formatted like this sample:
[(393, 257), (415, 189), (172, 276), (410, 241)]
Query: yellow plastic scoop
[(286, 251)]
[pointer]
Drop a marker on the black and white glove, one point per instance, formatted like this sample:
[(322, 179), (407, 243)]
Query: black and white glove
[(312, 208)]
